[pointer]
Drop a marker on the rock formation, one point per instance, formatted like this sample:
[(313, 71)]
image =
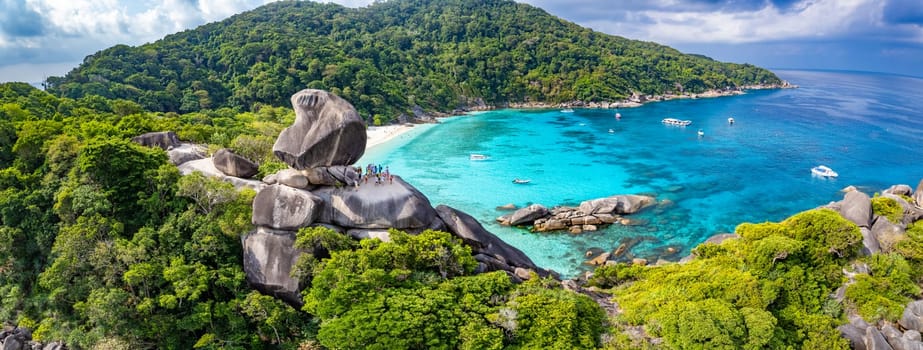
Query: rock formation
[(586, 217), (483, 242), (862, 335), (398, 205), (186, 152), (322, 189), (285, 208), (857, 207), (327, 131), (235, 165), (918, 195), (269, 256), (207, 167), (165, 140)]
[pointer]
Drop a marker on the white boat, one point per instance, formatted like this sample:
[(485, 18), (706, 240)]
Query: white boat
[(701, 133), (475, 156), (611, 131), (567, 110), (521, 181), (618, 116), (676, 122), (824, 171), (731, 121)]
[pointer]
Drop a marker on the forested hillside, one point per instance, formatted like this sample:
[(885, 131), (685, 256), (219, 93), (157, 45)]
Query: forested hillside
[(391, 56)]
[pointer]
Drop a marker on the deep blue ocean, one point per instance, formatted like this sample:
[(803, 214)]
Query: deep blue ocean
[(868, 127)]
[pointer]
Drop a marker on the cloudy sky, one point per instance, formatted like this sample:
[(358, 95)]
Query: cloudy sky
[(41, 38)]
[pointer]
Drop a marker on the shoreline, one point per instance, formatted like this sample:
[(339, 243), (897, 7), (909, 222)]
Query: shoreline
[(635, 100), (377, 135)]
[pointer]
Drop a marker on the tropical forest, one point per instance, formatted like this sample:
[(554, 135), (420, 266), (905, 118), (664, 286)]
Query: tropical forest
[(104, 244)]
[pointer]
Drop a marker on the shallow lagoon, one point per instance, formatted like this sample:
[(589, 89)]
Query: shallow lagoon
[(867, 127)]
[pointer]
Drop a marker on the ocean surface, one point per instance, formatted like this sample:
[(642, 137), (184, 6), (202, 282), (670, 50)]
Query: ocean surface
[(866, 126)]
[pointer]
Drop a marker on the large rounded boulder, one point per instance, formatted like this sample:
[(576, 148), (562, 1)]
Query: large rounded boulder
[(376, 206), (327, 131), (269, 256), (285, 208), (233, 164), (165, 140), (857, 207), (528, 214), (617, 205)]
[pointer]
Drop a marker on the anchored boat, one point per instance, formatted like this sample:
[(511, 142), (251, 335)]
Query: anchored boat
[(823, 171), (676, 122)]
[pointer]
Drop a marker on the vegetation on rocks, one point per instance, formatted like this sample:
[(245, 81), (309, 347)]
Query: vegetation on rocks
[(770, 288)]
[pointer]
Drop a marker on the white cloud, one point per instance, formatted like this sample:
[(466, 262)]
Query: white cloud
[(81, 17), (804, 20)]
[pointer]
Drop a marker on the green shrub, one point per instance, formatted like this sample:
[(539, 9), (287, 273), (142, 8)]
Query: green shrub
[(608, 276), (911, 245), (887, 207), (883, 293)]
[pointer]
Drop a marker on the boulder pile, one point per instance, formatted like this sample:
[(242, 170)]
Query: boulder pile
[(878, 232), (588, 216), (322, 188), (14, 338)]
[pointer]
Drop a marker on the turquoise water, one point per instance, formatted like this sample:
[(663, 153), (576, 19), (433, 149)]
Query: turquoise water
[(865, 126)]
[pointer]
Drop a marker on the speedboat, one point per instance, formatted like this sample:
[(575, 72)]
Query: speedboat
[(618, 115), (475, 156), (731, 120), (521, 181), (611, 131), (701, 133), (823, 171), (567, 110), (676, 122)]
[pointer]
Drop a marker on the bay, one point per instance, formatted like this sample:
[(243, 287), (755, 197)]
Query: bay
[(866, 126)]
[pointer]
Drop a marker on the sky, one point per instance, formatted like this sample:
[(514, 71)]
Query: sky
[(40, 38)]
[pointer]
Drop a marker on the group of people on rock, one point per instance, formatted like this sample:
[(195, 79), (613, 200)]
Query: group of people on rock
[(381, 174)]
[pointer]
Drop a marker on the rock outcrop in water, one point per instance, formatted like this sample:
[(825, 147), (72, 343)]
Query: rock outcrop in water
[(323, 189), (585, 217)]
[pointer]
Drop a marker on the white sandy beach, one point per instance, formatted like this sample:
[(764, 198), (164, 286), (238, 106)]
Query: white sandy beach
[(380, 134)]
